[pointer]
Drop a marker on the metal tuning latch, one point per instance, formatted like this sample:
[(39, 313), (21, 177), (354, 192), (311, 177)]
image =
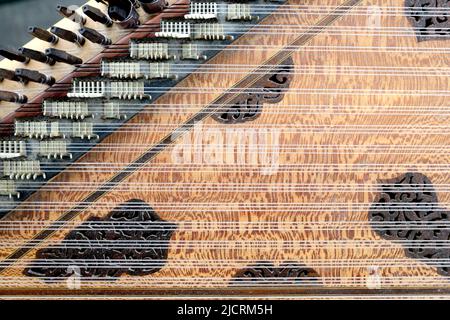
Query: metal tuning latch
[(210, 31), (38, 129), (136, 70), (112, 110), (8, 188), (128, 90), (190, 51), (122, 69), (54, 149), (174, 29), (239, 11), (150, 50), (88, 89), (108, 89), (83, 130), (11, 149), (21, 169), (66, 109), (202, 10)]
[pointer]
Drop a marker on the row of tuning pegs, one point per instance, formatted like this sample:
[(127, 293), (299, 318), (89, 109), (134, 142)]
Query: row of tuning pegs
[(123, 12), (26, 75), (55, 33), (50, 56)]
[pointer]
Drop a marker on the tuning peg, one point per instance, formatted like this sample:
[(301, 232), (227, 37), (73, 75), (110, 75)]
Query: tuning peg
[(124, 13), (12, 97), (68, 35), (42, 34), (36, 55), (8, 74), (135, 3), (97, 15), (71, 14), (62, 56), (153, 6), (95, 36), (13, 55), (26, 75)]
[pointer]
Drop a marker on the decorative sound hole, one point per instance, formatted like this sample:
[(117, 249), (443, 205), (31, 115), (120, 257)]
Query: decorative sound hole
[(270, 89), (430, 18), (287, 273), (407, 209), (126, 241)]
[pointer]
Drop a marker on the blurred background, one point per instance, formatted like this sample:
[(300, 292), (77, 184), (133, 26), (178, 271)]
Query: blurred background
[(17, 15)]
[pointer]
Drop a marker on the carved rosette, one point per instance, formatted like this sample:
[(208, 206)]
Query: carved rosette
[(108, 247), (430, 18), (287, 273), (407, 209), (269, 89)]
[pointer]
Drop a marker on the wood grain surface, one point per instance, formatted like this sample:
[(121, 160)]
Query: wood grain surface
[(335, 136)]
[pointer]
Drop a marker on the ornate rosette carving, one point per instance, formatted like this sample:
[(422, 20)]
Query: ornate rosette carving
[(270, 89), (429, 18), (108, 247), (407, 209), (290, 273)]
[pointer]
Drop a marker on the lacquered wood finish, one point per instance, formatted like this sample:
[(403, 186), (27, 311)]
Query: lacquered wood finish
[(90, 53), (348, 132)]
